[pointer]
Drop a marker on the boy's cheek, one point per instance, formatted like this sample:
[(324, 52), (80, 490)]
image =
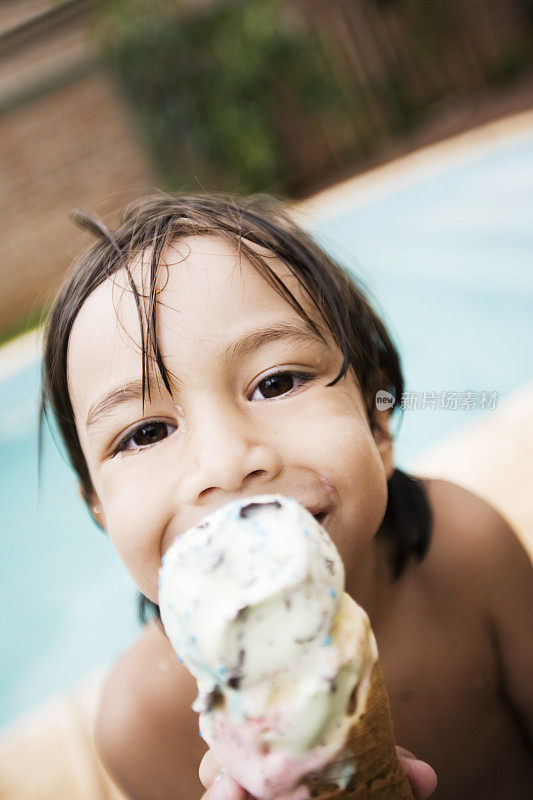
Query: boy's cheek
[(364, 491), (130, 527), (141, 563)]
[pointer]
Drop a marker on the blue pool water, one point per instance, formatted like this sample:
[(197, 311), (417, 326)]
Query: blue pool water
[(448, 258)]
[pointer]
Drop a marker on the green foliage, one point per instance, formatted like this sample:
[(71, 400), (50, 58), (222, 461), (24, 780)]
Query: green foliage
[(237, 95), (511, 62), (27, 322), (210, 87)]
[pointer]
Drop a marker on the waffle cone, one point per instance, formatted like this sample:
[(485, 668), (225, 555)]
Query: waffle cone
[(370, 744)]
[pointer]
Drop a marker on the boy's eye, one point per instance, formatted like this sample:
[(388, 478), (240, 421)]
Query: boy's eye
[(279, 384), (146, 434)]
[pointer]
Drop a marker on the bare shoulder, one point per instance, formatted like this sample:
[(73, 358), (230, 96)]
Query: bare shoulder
[(470, 536), (146, 732)]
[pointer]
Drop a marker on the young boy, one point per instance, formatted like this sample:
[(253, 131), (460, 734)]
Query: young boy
[(209, 350)]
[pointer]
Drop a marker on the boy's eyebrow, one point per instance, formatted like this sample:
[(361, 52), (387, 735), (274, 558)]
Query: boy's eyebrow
[(293, 331), (129, 391), (133, 390)]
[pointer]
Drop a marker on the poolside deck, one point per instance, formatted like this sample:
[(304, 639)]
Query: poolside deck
[(50, 754)]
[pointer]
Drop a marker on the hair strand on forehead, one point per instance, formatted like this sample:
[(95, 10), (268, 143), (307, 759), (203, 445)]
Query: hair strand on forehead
[(152, 339), (96, 227)]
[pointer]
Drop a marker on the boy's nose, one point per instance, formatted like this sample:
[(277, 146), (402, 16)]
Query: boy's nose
[(227, 456)]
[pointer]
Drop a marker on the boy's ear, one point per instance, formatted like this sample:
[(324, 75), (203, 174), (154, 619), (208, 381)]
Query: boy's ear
[(94, 506), (383, 439)]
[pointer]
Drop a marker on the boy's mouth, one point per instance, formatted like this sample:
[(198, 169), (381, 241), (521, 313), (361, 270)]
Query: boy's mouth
[(320, 517), (317, 511)]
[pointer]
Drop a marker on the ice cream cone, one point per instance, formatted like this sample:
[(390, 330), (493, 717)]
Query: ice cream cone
[(370, 744), (290, 693)]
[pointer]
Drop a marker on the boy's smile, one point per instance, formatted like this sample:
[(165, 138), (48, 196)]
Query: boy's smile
[(251, 410)]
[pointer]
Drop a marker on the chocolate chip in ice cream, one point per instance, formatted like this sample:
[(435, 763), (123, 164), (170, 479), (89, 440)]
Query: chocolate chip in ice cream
[(249, 509)]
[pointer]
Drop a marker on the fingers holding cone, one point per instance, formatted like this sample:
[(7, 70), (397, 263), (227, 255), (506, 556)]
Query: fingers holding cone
[(384, 772), (219, 785), (422, 777)]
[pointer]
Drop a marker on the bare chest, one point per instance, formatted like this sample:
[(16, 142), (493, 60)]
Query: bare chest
[(444, 688)]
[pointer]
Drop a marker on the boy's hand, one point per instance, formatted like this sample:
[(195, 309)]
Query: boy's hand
[(421, 776), (220, 786)]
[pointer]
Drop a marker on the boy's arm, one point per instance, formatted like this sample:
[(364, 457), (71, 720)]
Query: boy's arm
[(146, 732), (509, 575)]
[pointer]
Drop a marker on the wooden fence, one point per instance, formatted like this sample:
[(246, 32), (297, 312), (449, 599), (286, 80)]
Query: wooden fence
[(397, 59)]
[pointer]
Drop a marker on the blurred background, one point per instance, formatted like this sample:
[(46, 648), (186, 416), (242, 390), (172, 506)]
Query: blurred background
[(401, 133), (102, 100)]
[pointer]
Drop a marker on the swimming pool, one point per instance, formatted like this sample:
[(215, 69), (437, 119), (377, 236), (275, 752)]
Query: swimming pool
[(447, 256)]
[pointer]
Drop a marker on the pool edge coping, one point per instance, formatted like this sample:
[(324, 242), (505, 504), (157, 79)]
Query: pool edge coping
[(423, 163)]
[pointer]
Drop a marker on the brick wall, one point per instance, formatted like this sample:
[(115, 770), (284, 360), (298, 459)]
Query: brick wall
[(74, 147), (64, 143)]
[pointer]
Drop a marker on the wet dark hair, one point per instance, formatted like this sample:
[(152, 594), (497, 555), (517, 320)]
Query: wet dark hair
[(146, 228)]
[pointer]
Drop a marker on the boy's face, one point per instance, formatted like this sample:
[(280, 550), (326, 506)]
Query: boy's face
[(251, 412)]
